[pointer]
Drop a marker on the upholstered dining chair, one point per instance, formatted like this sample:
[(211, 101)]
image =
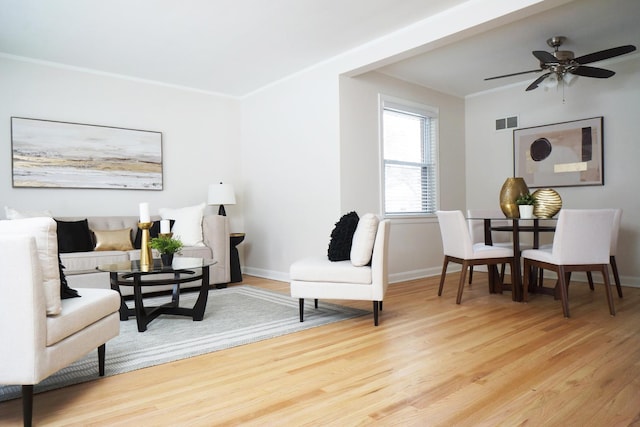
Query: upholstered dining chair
[(363, 277), (581, 242), (615, 231), (476, 228), (39, 332), (459, 248)]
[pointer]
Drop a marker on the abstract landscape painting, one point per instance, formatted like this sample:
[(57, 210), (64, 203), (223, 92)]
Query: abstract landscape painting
[(55, 154)]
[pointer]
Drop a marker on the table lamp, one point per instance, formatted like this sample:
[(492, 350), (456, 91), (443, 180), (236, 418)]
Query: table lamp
[(221, 194)]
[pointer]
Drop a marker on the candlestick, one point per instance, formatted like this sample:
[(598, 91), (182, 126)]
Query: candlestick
[(146, 258), (144, 213)]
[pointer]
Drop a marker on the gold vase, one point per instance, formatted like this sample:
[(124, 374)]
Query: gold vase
[(548, 203), (511, 190)]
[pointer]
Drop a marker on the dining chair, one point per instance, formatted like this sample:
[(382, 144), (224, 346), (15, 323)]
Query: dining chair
[(459, 248), (476, 228), (581, 243), (615, 231)]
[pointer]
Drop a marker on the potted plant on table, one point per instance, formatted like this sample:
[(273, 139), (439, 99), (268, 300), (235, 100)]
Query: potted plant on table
[(525, 204), (167, 246)]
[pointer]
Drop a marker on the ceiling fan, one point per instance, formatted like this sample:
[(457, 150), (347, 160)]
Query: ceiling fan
[(560, 62)]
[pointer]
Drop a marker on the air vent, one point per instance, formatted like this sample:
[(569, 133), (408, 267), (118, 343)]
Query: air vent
[(507, 123)]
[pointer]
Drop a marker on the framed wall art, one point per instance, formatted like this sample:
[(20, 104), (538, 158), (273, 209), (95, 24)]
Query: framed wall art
[(53, 154), (561, 154)]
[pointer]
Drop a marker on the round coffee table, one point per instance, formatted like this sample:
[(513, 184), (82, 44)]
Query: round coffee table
[(184, 269)]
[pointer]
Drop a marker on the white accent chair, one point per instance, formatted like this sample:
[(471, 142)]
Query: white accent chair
[(35, 343), (458, 247), (581, 242), (319, 278), (476, 228)]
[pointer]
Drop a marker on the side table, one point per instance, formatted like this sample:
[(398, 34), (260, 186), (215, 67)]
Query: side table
[(234, 262)]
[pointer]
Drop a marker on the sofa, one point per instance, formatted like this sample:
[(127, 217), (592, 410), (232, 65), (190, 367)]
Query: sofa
[(106, 231)]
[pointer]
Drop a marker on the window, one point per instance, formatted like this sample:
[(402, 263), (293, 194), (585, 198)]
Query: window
[(409, 153)]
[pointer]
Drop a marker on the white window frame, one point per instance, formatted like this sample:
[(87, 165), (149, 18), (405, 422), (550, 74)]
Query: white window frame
[(390, 102)]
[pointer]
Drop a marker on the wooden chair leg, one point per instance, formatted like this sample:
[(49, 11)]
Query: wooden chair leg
[(375, 313), (564, 295), (470, 274), (616, 277), (502, 270), (525, 280), (101, 353), (301, 305), (27, 405), (463, 276), (590, 280), (607, 285), (444, 273), (315, 303)]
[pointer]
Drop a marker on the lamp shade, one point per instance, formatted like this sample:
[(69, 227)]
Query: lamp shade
[(221, 194)]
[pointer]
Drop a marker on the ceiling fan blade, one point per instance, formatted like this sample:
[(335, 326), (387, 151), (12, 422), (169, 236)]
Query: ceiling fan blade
[(605, 54), (545, 57), (537, 81), (514, 74), (599, 73)]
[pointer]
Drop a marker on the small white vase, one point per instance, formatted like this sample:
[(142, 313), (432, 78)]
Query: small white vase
[(526, 211)]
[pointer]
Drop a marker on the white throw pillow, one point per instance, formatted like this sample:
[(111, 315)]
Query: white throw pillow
[(44, 231), (16, 214), (363, 240), (188, 225)]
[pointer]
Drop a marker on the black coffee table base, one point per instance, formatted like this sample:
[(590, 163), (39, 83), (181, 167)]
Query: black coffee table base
[(144, 315)]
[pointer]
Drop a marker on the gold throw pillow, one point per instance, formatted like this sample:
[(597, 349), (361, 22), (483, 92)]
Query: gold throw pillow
[(113, 240)]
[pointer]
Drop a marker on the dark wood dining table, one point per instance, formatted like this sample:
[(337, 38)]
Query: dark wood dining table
[(518, 225)]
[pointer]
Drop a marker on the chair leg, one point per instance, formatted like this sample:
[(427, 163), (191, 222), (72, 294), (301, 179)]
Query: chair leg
[(470, 274), (444, 272), (375, 313), (301, 305), (616, 276), (101, 353), (463, 276), (27, 405), (502, 270), (380, 305), (525, 280), (564, 294), (315, 303), (590, 280), (607, 285)]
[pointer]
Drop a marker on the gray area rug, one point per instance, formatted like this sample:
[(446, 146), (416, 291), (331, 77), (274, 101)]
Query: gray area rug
[(235, 316)]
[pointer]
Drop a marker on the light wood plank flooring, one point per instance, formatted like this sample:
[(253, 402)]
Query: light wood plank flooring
[(487, 362)]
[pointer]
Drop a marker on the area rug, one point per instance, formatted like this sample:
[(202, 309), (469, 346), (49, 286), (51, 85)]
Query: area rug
[(235, 316)]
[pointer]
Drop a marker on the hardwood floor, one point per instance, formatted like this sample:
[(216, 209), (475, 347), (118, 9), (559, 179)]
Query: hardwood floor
[(486, 362)]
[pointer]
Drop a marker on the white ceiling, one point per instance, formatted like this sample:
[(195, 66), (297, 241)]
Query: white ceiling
[(234, 47)]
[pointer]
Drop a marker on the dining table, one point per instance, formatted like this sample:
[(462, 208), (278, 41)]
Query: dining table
[(516, 226)]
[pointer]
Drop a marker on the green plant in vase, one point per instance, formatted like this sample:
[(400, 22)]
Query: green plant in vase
[(525, 204), (167, 246)]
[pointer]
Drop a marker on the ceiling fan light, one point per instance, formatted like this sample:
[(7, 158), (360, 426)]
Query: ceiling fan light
[(569, 78), (550, 82)]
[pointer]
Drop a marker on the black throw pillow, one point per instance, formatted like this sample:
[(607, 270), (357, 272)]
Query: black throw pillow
[(341, 237), (65, 290), (153, 232), (74, 236)]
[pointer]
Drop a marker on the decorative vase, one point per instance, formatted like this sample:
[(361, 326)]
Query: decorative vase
[(511, 190), (526, 211), (167, 259), (548, 203)]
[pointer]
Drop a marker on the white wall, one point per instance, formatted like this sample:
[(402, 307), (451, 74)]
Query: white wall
[(290, 163), (490, 153), (201, 136), (415, 245)]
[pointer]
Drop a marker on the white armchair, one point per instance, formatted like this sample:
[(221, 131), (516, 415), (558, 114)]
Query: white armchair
[(39, 333), (319, 278)]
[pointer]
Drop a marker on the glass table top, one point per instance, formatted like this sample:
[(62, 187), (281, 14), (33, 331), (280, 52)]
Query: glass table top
[(179, 264)]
